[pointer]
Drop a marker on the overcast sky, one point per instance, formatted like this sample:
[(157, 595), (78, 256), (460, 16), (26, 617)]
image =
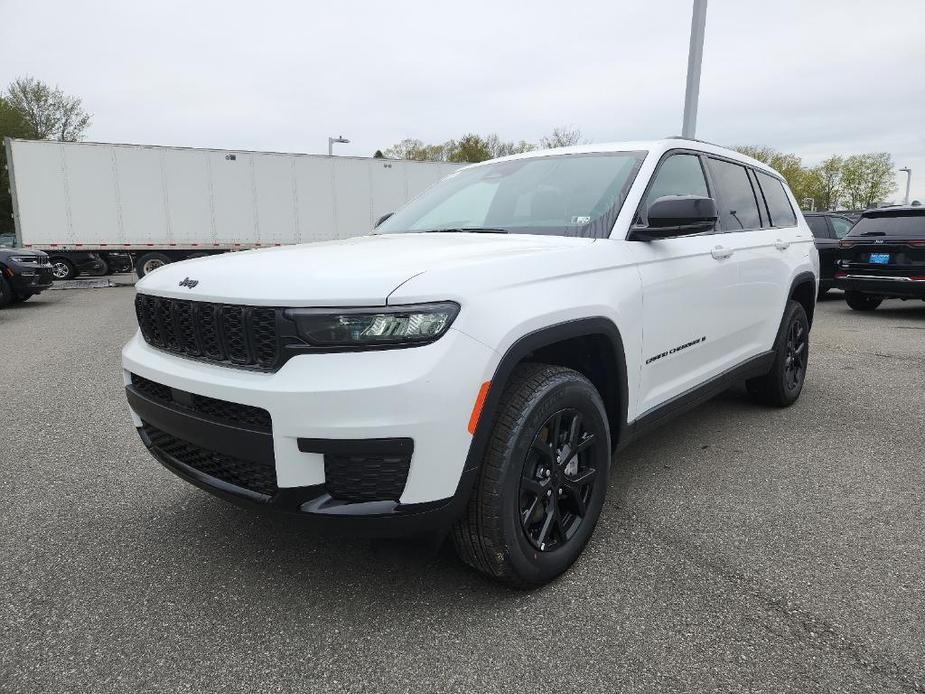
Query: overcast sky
[(814, 77)]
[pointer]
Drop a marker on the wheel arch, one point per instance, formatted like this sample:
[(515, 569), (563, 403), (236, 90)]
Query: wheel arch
[(592, 346), (804, 291)]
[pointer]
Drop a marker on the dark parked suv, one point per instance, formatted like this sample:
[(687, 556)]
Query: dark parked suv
[(883, 257), (23, 273), (828, 229)]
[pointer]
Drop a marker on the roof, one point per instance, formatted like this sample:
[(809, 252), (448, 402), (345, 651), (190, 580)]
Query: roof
[(657, 147)]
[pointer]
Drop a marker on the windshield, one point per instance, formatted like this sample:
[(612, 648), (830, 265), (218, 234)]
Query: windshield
[(562, 195), (911, 224)]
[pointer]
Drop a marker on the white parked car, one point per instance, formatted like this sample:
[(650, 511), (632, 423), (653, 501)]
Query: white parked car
[(471, 367)]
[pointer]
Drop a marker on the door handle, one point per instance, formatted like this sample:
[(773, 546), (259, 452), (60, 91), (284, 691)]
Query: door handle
[(781, 245), (721, 253)]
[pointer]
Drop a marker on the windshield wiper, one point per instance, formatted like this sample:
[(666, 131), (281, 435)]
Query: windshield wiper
[(467, 230)]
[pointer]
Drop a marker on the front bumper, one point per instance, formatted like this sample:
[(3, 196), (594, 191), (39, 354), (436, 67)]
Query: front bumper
[(424, 394), (30, 279), (897, 286)]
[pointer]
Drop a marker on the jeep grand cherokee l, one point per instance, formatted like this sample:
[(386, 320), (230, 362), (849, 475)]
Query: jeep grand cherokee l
[(883, 257), (471, 367), (23, 274)]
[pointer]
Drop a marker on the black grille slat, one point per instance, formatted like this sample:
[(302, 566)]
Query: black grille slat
[(185, 329), (163, 316), (255, 418), (208, 332), (263, 331), (242, 336), (256, 476), (235, 334), (366, 478)]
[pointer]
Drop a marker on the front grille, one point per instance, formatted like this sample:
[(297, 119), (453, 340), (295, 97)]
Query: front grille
[(245, 336), (248, 416), (247, 474), (366, 478)]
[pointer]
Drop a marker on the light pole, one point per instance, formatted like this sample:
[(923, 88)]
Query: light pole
[(694, 58), (908, 183), (340, 139)]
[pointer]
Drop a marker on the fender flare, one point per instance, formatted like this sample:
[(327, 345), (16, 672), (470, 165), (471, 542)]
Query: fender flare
[(804, 278), (523, 347)]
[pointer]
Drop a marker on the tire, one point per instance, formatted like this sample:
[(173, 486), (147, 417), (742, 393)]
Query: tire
[(499, 534), (860, 301), (63, 269), (6, 292), (822, 293), (782, 385), (105, 271), (148, 262)]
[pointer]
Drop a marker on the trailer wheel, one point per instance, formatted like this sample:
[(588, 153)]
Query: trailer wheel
[(63, 269), (149, 262)]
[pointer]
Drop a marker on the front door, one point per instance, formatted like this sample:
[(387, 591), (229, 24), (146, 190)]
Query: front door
[(687, 284)]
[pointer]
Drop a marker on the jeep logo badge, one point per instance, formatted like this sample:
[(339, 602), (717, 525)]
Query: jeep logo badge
[(189, 283)]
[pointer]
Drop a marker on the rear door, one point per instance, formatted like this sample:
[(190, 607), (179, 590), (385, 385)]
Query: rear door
[(688, 283), (755, 310)]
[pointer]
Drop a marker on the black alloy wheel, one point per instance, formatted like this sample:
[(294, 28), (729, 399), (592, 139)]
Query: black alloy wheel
[(542, 480), (795, 360), (558, 480)]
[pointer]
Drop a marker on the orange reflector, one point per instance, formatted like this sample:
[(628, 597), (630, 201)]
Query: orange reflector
[(477, 408)]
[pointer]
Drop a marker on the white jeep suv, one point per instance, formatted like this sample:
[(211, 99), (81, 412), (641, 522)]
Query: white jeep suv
[(471, 367)]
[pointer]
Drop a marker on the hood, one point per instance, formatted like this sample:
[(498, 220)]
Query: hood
[(360, 271), (6, 252)]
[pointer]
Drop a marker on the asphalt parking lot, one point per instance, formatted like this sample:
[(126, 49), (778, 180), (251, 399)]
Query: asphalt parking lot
[(740, 549)]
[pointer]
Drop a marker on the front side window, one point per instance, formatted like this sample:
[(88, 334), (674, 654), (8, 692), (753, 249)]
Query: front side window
[(562, 195), (736, 202), (841, 226), (778, 203), (679, 174)]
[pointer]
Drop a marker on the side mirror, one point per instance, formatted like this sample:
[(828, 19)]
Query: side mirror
[(382, 219), (676, 215)]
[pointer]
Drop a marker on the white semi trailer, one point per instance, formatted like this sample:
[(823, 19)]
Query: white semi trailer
[(162, 204)]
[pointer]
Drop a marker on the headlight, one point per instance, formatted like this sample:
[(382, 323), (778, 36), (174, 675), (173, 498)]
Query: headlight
[(391, 326)]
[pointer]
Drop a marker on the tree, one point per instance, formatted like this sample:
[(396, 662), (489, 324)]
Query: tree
[(48, 112), (378, 154), (416, 150), (825, 184), (469, 148), (867, 179), (12, 124), (561, 137)]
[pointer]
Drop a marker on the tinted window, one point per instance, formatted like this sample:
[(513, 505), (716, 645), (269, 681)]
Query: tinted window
[(738, 208), (841, 226), (818, 227), (566, 195), (912, 225), (778, 203), (680, 174)]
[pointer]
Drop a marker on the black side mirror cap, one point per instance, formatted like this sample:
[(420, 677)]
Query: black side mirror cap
[(382, 219), (677, 215)]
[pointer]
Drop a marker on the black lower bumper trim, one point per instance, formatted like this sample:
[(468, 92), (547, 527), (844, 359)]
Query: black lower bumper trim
[(887, 288), (314, 507)]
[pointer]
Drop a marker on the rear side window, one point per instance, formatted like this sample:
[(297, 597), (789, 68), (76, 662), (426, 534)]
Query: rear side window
[(679, 174), (738, 207), (910, 226), (778, 203), (841, 226), (818, 227)]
